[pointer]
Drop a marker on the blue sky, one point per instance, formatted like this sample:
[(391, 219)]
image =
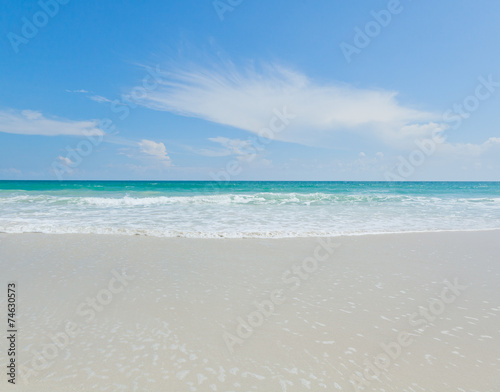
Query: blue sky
[(245, 90)]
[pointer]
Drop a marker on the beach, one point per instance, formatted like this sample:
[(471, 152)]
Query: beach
[(250, 196), (387, 312)]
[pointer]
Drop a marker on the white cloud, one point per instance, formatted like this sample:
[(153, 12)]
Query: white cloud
[(155, 150), (81, 91), (11, 171), (65, 161), (469, 149), (210, 153), (407, 134), (31, 114), (99, 99), (241, 148), (248, 100), (29, 122)]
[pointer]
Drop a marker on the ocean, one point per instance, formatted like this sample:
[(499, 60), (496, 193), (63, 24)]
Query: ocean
[(258, 209)]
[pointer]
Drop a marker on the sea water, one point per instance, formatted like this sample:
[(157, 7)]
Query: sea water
[(246, 209)]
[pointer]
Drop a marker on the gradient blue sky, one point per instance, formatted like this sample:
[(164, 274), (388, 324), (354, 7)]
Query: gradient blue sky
[(73, 103)]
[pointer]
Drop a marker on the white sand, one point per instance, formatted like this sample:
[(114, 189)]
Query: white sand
[(163, 327)]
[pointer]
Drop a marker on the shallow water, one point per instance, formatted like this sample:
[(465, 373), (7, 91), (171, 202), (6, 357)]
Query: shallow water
[(246, 209)]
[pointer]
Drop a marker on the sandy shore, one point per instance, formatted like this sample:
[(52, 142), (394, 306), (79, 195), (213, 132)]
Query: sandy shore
[(405, 312)]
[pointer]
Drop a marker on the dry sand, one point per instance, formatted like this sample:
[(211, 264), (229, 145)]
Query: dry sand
[(119, 313)]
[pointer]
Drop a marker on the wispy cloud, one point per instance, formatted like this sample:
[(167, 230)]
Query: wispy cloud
[(11, 171), (246, 99), (99, 99), (243, 149), (94, 97), (29, 122), (81, 91), (469, 149)]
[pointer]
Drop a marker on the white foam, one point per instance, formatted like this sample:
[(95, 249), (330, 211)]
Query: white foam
[(259, 215)]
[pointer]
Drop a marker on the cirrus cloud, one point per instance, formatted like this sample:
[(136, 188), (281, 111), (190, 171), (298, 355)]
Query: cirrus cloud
[(30, 122), (246, 99)]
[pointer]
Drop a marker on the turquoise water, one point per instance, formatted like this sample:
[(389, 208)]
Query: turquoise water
[(246, 209)]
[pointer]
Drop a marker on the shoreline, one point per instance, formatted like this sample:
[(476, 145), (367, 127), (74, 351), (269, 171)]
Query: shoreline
[(260, 238)]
